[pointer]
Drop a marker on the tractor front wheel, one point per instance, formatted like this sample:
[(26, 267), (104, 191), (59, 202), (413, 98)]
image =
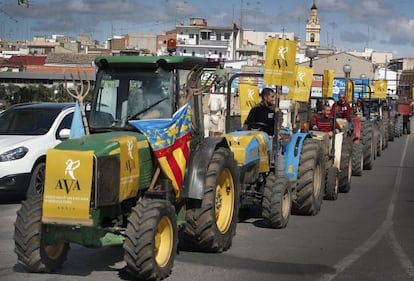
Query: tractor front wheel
[(357, 159), (151, 239), (210, 227), (311, 180), (277, 202), (345, 174), (332, 184), (31, 247)]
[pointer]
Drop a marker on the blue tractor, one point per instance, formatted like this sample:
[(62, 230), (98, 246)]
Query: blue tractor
[(282, 173)]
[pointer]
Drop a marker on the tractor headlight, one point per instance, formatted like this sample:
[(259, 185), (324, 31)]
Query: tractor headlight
[(14, 154)]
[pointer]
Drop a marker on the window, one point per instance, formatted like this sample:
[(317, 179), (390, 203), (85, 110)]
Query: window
[(218, 36), (226, 36), (205, 35), (312, 37), (191, 36)]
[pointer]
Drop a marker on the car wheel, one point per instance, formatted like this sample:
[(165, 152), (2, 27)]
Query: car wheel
[(37, 180)]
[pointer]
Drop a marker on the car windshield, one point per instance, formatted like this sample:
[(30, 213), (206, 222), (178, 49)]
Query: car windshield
[(27, 121), (122, 96)]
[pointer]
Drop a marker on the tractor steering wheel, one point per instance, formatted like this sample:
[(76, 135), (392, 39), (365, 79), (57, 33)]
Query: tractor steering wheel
[(258, 126)]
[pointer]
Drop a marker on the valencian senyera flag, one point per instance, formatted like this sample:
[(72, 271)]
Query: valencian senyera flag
[(170, 141)]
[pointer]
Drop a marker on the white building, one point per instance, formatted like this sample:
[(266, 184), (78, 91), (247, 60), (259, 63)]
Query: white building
[(200, 40)]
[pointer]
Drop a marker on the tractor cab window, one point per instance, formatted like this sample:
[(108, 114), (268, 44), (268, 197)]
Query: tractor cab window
[(123, 96)]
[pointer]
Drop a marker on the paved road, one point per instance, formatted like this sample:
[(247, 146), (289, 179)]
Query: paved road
[(366, 234)]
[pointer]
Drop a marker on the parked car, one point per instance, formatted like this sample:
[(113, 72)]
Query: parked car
[(27, 131)]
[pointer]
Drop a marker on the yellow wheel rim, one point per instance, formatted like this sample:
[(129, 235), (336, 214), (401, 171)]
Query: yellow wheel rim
[(164, 239), (224, 201)]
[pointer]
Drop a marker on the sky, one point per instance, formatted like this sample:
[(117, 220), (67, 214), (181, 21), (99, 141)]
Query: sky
[(383, 25)]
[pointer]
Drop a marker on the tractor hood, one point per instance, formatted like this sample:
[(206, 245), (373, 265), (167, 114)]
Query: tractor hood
[(103, 143)]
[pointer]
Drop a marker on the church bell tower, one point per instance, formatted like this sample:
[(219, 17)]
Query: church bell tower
[(313, 27)]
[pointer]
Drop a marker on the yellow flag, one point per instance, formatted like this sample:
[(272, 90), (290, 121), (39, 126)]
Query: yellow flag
[(300, 91), (327, 84), (129, 172), (68, 185), (248, 97), (280, 62), (349, 90), (380, 89)]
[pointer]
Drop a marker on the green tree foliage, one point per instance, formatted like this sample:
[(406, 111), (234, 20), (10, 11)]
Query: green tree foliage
[(12, 94)]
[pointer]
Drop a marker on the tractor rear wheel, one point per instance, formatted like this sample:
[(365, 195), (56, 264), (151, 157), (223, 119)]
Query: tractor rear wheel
[(277, 201), (332, 184), (151, 239), (211, 226), (346, 166), (31, 247), (357, 159), (311, 180)]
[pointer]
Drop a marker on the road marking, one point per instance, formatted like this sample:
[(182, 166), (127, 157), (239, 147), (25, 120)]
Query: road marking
[(385, 227), (402, 256)]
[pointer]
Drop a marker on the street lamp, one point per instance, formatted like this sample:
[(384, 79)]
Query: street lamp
[(347, 70), (311, 52)]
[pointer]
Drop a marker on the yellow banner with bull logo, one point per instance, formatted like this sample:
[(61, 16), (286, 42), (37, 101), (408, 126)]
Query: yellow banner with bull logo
[(280, 62), (68, 186), (380, 89), (327, 83), (248, 98), (300, 91), (129, 173)]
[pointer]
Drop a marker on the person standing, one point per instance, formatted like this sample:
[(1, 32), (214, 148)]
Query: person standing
[(263, 114)]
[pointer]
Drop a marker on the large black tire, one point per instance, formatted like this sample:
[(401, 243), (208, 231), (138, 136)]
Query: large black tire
[(211, 226), (399, 126), (37, 180), (367, 138), (378, 139), (151, 239), (345, 175), (277, 201), (391, 132), (357, 159), (384, 133), (32, 250), (332, 184), (311, 180)]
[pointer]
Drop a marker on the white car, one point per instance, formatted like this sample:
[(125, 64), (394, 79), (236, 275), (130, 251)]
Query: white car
[(27, 131)]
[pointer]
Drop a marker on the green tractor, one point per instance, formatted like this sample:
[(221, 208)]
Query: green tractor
[(144, 174)]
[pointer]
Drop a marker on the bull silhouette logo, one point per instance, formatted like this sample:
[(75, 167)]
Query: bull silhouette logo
[(71, 166), (130, 147), (282, 52)]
